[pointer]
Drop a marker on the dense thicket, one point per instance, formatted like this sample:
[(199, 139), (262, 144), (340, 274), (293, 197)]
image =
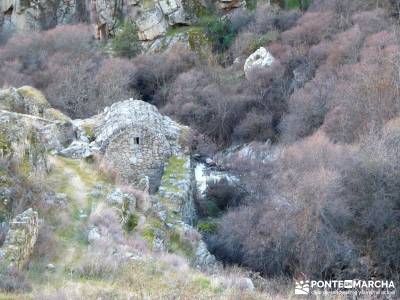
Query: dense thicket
[(66, 64), (328, 206)]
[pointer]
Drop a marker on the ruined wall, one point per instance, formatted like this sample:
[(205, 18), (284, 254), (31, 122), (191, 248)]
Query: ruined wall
[(136, 152), (136, 140)]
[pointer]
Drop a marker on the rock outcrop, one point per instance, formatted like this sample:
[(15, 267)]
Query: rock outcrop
[(22, 147), (20, 240), (25, 100), (105, 14), (151, 24), (152, 17), (27, 15), (261, 58), (20, 142), (27, 109)]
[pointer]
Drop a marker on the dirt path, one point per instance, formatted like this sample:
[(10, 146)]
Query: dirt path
[(79, 188), (76, 180)]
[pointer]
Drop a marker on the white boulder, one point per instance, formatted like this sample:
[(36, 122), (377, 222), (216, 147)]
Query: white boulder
[(94, 235), (259, 59)]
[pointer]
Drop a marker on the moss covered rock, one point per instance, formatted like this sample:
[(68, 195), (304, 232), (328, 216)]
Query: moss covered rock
[(20, 240), (20, 144), (26, 100)]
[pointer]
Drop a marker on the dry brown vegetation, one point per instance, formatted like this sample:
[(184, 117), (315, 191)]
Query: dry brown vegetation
[(328, 206)]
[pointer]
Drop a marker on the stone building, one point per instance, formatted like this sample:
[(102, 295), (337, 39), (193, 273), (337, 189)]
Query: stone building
[(136, 140)]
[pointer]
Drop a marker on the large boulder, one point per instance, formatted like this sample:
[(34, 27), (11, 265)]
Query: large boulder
[(20, 240), (27, 108), (20, 142), (261, 58), (177, 12), (26, 100), (151, 24)]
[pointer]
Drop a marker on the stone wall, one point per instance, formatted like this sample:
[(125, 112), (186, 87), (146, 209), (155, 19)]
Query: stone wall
[(175, 206), (136, 152), (136, 140), (20, 240)]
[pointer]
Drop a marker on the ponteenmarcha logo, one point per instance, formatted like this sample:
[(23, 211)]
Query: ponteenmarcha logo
[(302, 287), (355, 286)]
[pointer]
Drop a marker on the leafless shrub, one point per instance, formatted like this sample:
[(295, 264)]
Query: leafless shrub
[(63, 63), (198, 100), (98, 264), (346, 47), (303, 185), (107, 220), (201, 144), (83, 85), (46, 244), (13, 281), (356, 99), (242, 44), (152, 73), (308, 107), (177, 262), (311, 28), (372, 21), (240, 18), (370, 189)]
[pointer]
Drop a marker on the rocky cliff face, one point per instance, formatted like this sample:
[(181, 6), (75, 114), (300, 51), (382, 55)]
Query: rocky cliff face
[(27, 111), (25, 15), (26, 100), (153, 18)]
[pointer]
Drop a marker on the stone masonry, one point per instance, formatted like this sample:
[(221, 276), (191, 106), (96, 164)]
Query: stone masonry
[(136, 140)]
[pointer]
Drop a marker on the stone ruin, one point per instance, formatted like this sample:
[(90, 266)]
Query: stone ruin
[(20, 240), (136, 140)]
